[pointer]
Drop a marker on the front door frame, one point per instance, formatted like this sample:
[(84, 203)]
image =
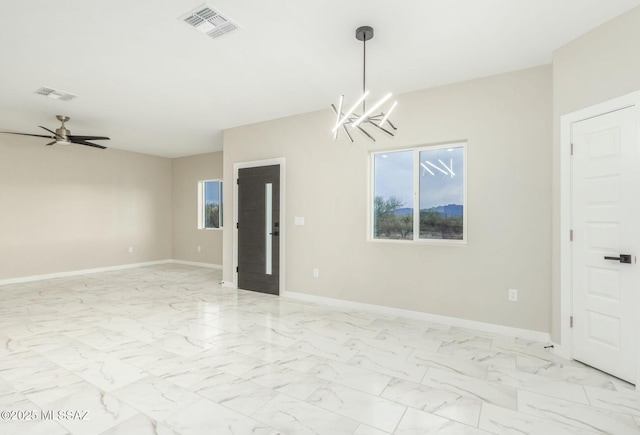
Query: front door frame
[(566, 305), (255, 164)]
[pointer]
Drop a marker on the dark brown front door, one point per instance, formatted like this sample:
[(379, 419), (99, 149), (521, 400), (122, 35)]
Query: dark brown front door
[(259, 229)]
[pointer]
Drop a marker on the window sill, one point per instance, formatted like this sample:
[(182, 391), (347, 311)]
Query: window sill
[(423, 242)]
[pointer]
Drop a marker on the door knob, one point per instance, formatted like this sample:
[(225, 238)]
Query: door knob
[(623, 258)]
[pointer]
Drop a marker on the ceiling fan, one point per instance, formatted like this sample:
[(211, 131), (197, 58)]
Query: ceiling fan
[(63, 136)]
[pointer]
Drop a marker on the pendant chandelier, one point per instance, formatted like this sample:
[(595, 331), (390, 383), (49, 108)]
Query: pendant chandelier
[(372, 116)]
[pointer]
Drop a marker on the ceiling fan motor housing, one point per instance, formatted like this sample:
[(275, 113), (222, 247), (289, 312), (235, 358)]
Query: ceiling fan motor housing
[(62, 132)]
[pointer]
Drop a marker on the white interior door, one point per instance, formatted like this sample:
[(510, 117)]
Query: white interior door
[(604, 204)]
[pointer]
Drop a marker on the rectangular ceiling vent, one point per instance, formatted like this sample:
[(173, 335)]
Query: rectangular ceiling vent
[(55, 94), (209, 22)]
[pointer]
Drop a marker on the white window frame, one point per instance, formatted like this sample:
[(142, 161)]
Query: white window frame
[(416, 196), (202, 202)]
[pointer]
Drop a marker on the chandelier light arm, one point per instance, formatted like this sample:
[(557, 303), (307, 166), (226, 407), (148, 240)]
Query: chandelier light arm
[(344, 127), (345, 117), (365, 133), (391, 124), (365, 115), (338, 113), (381, 128), (346, 130), (386, 117)]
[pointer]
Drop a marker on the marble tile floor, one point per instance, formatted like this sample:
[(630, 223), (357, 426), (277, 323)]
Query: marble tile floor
[(165, 350)]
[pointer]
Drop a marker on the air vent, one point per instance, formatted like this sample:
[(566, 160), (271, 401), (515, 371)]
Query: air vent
[(55, 94), (209, 22)]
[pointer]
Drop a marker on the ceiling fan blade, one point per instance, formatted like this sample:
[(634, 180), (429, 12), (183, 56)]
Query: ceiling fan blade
[(51, 131), (89, 144), (72, 137), (51, 143), (28, 134)]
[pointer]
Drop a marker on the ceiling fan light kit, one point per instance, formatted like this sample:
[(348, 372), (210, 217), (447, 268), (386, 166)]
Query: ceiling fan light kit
[(63, 136), (373, 116)]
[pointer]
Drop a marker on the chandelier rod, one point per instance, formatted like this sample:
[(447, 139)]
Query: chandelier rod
[(364, 72)]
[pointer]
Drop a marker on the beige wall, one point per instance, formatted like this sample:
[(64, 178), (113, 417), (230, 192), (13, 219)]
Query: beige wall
[(599, 66), (187, 171), (507, 122), (72, 208)]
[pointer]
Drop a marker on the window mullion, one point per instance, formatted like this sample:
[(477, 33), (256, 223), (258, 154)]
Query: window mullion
[(219, 204), (200, 204), (416, 194)]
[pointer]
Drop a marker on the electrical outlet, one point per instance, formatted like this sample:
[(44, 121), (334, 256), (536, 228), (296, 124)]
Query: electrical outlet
[(513, 295), (316, 273), (198, 248), (130, 249)]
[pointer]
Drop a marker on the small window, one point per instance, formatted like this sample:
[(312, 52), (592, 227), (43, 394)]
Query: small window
[(210, 204), (420, 194)]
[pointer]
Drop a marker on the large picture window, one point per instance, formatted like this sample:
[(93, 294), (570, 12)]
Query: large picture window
[(420, 194), (210, 204)]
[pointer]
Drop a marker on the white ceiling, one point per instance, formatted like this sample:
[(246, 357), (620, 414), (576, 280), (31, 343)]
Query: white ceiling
[(157, 86)]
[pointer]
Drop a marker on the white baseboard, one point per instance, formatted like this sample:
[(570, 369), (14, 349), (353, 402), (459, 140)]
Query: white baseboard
[(193, 263), (561, 351), (229, 284), (102, 269), (434, 318), (79, 272)]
